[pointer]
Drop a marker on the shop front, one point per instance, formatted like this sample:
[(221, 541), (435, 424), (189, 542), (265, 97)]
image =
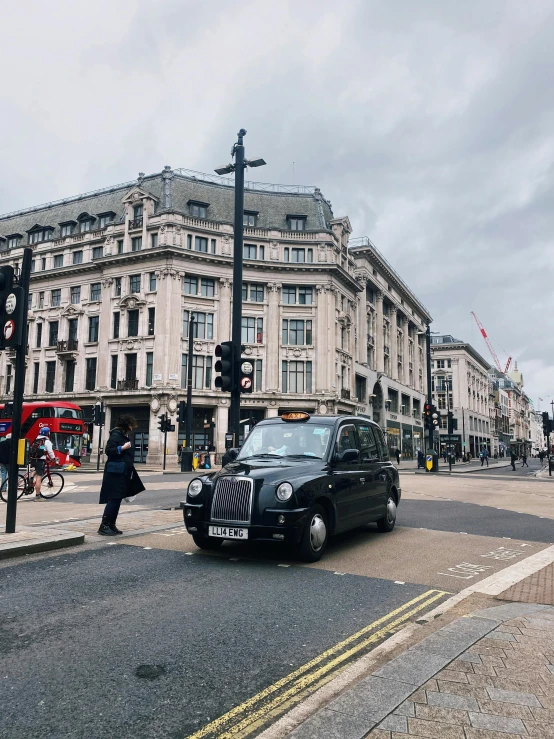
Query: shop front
[(407, 448), (394, 439), (202, 431), (88, 427)]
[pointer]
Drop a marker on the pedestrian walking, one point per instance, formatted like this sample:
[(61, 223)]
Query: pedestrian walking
[(420, 463), (397, 453), (5, 451), (541, 457), (524, 460), (484, 457), (513, 459), (120, 479)]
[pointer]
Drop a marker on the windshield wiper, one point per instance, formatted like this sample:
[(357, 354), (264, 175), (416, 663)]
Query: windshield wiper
[(263, 454), (303, 455)]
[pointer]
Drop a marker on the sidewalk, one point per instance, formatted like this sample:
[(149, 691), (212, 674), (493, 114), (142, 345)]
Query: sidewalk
[(28, 540)]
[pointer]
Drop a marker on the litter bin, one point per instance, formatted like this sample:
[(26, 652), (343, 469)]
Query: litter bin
[(186, 459)]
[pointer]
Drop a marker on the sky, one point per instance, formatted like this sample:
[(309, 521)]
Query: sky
[(430, 123)]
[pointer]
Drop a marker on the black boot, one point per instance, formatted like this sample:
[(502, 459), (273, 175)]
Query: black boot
[(114, 528), (106, 527)]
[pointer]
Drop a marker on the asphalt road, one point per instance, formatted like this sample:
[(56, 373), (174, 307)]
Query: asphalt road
[(148, 637)]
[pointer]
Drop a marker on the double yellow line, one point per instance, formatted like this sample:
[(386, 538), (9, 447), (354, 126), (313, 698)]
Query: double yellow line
[(313, 673)]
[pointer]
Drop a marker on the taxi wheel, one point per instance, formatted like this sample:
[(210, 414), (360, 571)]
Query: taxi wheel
[(206, 542), (315, 535), (386, 523)]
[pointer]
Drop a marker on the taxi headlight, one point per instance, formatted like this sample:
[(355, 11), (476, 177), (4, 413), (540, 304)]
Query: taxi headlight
[(195, 487), (284, 491)]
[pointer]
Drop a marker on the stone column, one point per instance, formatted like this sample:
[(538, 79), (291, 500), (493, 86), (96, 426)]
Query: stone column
[(417, 366), (361, 322), (394, 343), (221, 424), (224, 311), (321, 382), (169, 322), (273, 338), (406, 344), (379, 337), (104, 365), (331, 334)]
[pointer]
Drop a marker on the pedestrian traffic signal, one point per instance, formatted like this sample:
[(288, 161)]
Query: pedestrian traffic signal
[(452, 423), (224, 365), (99, 415), (182, 413), (546, 424)]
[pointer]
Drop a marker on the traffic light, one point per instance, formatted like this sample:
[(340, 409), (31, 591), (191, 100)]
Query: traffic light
[(450, 423), (224, 365), (11, 300), (99, 415), (246, 381), (427, 411), (182, 412), (546, 424), (162, 422)]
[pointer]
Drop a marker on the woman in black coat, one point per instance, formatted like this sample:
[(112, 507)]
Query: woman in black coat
[(120, 479)]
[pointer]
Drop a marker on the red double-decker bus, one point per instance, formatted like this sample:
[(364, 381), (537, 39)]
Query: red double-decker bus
[(65, 421)]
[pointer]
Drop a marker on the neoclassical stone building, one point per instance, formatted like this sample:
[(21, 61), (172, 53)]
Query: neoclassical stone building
[(117, 273)]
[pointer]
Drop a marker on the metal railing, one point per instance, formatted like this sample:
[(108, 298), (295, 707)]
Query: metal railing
[(68, 345), (136, 223), (345, 394), (127, 384)]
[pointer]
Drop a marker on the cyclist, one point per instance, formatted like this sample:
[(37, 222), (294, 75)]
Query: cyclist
[(41, 448)]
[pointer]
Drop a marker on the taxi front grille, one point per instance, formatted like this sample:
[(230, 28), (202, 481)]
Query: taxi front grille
[(232, 501)]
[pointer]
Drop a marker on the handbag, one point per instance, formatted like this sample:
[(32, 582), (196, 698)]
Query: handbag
[(116, 468)]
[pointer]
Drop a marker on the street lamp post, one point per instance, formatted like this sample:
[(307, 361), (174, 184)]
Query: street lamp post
[(238, 168)]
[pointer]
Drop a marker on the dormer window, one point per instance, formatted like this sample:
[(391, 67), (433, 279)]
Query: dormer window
[(13, 240), (198, 209), (106, 219), (85, 222), (249, 218), (3, 244), (296, 223), (67, 228), (138, 211), (40, 233)]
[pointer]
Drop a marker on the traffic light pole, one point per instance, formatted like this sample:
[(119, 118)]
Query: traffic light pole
[(18, 390), (429, 389), (188, 425), (236, 333)]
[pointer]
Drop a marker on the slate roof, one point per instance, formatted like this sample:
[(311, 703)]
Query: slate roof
[(272, 207)]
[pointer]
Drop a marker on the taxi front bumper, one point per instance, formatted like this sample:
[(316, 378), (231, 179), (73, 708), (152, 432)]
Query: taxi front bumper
[(268, 529)]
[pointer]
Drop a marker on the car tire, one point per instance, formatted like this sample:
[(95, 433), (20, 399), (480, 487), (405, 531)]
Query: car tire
[(386, 523), (207, 542), (315, 535)]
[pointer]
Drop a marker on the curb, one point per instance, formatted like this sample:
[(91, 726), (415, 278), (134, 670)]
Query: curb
[(362, 708), (60, 540)]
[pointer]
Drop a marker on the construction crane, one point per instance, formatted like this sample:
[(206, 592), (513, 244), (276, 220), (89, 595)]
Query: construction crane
[(490, 346)]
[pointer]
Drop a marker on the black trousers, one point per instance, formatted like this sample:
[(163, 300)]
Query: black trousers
[(112, 509)]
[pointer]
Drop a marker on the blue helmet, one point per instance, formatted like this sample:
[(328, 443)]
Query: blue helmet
[(44, 430)]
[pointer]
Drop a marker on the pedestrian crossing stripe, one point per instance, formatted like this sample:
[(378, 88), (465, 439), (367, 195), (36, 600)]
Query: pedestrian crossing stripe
[(247, 716)]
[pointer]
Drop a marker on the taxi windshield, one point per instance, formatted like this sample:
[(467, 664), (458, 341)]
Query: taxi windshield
[(287, 440)]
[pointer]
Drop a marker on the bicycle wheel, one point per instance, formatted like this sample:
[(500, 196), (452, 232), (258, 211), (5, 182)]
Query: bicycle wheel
[(52, 484), (21, 486)]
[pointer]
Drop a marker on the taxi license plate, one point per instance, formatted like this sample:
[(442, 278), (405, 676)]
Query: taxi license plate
[(228, 532)]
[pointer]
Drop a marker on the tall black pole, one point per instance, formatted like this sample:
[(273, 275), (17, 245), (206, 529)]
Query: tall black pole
[(99, 448), (429, 389), (165, 439), (236, 334), (18, 390), (188, 420)]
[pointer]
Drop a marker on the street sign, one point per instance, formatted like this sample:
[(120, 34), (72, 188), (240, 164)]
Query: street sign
[(9, 329), (245, 383), (11, 302), (247, 368), (429, 462)]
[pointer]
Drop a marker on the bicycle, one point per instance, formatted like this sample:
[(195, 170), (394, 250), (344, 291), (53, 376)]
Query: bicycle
[(52, 484)]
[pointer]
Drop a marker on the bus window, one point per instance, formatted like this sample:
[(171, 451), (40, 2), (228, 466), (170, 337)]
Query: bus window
[(69, 413), (67, 443)]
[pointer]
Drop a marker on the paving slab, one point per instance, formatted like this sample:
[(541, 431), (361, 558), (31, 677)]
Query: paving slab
[(537, 588), (500, 703)]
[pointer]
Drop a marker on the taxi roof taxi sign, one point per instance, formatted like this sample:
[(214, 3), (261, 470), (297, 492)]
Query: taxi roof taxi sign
[(295, 416)]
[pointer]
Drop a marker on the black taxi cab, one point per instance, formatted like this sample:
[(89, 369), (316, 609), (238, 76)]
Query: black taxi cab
[(297, 479)]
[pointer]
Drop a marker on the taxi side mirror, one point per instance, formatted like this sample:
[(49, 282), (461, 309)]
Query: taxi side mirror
[(233, 453), (349, 455)]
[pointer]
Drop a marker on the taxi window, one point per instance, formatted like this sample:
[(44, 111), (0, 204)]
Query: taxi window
[(368, 443), (383, 451), (346, 439)]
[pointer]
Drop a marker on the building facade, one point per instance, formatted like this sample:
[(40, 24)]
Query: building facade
[(119, 273), (460, 383)]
